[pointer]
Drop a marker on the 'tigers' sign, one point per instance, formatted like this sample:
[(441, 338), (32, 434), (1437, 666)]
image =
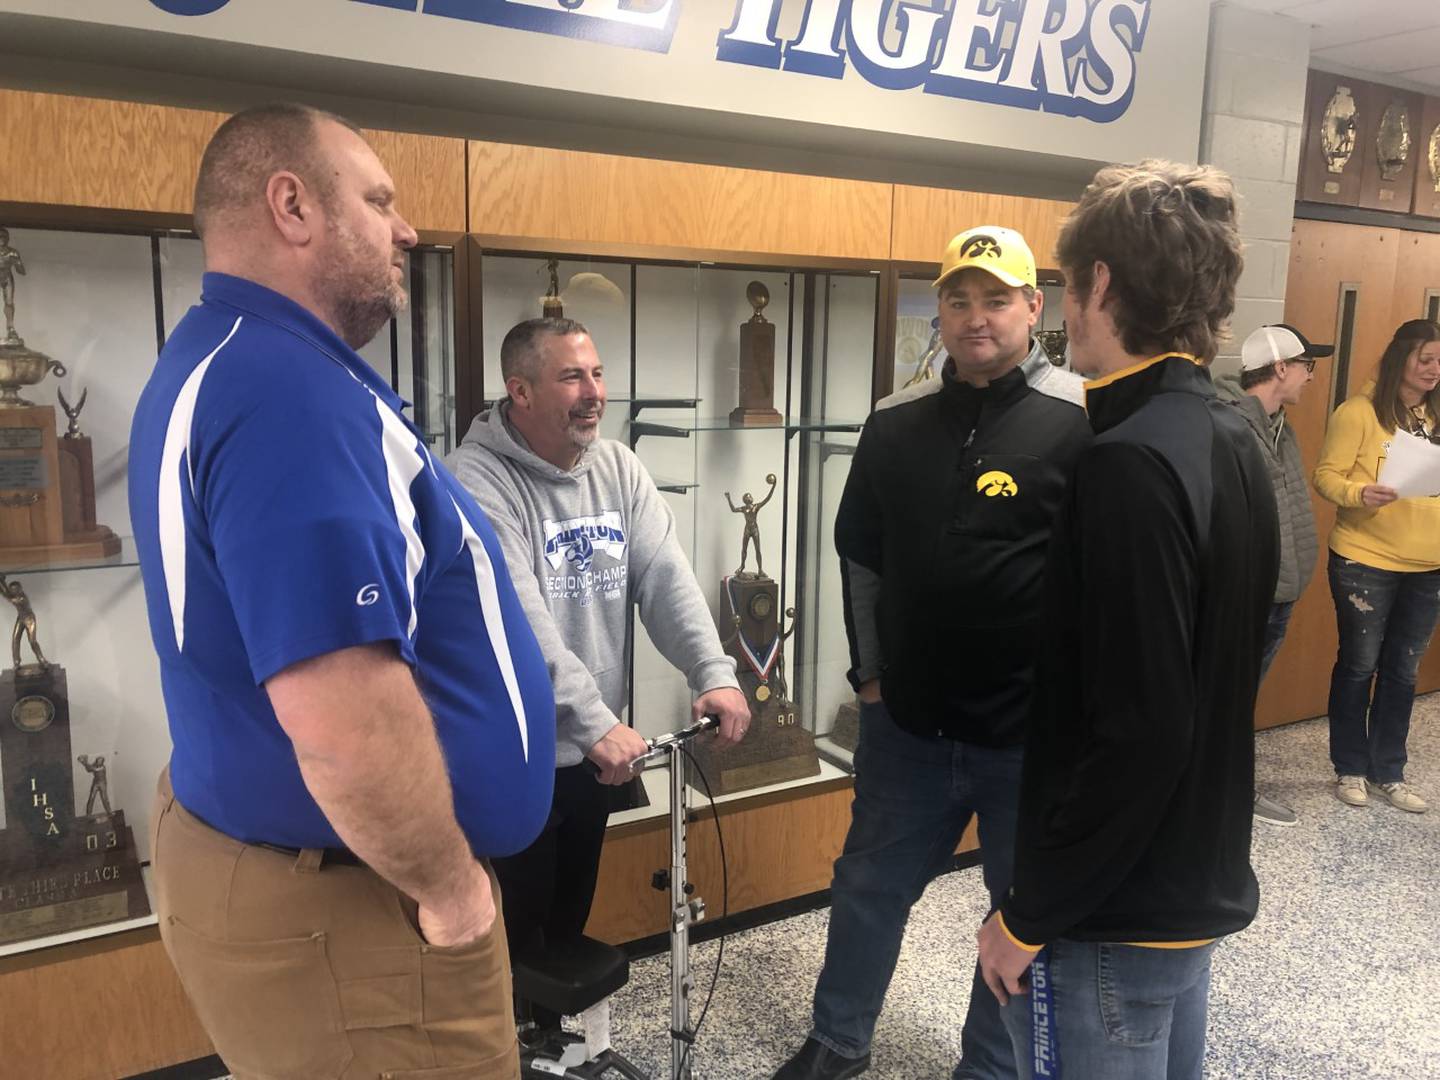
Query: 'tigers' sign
[(1065, 56), (1070, 57)]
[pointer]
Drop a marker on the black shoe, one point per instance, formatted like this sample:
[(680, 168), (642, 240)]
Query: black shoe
[(816, 1061)]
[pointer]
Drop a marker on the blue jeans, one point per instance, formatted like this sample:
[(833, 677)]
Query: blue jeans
[(1118, 1012), (1275, 627), (1385, 618), (914, 797)]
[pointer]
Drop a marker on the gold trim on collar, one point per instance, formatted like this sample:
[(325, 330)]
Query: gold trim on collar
[(1125, 372)]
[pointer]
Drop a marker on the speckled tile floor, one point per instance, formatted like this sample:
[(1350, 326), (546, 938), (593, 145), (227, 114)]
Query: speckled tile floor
[(1339, 977)]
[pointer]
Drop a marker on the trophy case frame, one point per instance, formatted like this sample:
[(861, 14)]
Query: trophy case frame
[(419, 353), (648, 412)]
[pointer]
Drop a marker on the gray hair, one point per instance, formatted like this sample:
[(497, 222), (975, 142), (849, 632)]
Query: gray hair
[(520, 351)]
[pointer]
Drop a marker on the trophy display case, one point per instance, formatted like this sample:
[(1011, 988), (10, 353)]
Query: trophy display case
[(742, 389), (83, 734)]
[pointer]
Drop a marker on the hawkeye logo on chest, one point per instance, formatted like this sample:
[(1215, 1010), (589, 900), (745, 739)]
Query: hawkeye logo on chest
[(577, 540), (996, 483)]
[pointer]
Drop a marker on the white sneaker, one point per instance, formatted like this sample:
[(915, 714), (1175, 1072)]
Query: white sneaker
[(1351, 790), (1405, 797)]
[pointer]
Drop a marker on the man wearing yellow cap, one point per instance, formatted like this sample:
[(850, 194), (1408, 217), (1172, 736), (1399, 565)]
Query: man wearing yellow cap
[(942, 563)]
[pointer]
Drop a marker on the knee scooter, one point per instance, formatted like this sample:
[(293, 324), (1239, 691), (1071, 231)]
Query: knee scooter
[(580, 981)]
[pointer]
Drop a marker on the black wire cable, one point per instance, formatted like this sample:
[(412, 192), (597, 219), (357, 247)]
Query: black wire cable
[(724, 908)]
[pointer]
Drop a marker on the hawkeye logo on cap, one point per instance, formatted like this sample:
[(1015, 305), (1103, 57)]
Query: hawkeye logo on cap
[(995, 483), (981, 247)]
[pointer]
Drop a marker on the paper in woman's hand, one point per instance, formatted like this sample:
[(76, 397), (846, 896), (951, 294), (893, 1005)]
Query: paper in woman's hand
[(1412, 466)]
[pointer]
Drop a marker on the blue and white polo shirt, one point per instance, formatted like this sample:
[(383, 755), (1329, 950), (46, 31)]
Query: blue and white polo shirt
[(284, 508)]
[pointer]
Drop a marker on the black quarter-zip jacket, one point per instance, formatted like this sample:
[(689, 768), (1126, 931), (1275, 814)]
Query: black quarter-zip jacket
[(1138, 784), (950, 500)]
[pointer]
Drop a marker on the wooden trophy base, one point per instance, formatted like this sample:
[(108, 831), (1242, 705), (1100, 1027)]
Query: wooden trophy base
[(98, 543), (91, 879), (772, 752), (846, 732), (743, 417)]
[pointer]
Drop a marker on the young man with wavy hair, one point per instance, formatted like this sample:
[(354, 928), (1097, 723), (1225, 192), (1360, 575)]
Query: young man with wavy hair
[(1132, 850)]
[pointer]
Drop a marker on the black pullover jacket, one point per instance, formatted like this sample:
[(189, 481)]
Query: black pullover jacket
[(950, 500), (1138, 784)]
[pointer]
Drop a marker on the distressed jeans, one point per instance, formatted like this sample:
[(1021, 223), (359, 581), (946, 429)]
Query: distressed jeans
[(1385, 619), (913, 798)]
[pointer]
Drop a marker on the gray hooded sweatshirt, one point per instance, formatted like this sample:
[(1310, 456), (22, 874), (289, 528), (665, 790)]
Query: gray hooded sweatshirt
[(582, 545)]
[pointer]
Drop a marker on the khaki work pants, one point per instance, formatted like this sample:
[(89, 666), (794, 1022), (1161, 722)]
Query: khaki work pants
[(302, 969)]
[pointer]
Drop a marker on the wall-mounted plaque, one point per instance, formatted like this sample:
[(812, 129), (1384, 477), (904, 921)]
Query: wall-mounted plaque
[(1427, 171), (1388, 179), (1337, 117)]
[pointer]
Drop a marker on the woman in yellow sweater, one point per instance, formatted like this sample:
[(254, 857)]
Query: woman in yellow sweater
[(1384, 568)]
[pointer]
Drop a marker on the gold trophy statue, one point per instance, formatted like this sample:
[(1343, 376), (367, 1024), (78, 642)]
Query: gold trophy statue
[(47, 484), (777, 748)]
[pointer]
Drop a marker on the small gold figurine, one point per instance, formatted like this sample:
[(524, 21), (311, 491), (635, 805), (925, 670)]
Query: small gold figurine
[(99, 788), (73, 431), (10, 265), (751, 509), (24, 626)]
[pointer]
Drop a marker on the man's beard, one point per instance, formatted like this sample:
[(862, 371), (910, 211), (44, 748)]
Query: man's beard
[(360, 293), (581, 437)]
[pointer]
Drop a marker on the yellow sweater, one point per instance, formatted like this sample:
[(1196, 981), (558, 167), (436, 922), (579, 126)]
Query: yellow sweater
[(1405, 535)]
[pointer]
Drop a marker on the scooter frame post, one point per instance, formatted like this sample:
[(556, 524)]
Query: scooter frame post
[(681, 982), (684, 909)]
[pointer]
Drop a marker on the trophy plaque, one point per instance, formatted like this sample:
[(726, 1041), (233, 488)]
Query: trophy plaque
[(59, 870), (777, 747), (47, 484), (1336, 119), (757, 365), (1427, 168), (1392, 151)]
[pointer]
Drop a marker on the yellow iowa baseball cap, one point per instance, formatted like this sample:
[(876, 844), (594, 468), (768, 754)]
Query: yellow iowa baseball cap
[(994, 249)]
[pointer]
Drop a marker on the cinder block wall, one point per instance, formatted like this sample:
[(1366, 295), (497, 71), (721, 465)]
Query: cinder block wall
[(1251, 128)]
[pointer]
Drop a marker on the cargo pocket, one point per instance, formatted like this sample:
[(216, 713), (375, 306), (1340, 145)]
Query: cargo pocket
[(270, 1007)]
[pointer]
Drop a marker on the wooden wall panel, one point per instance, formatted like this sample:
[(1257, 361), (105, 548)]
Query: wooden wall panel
[(1417, 270), (775, 852), (429, 175), (98, 1013), (74, 151), (1384, 264), (119, 155), (565, 195), (926, 219)]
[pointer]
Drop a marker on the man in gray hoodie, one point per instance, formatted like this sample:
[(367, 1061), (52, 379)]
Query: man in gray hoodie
[(1276, 364), (585, 535)]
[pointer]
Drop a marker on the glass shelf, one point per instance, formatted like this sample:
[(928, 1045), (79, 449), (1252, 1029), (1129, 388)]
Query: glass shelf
[(681, 429), (675, 487), (126, 557)]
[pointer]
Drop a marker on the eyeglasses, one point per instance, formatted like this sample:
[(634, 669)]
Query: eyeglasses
[(1307, 361)]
